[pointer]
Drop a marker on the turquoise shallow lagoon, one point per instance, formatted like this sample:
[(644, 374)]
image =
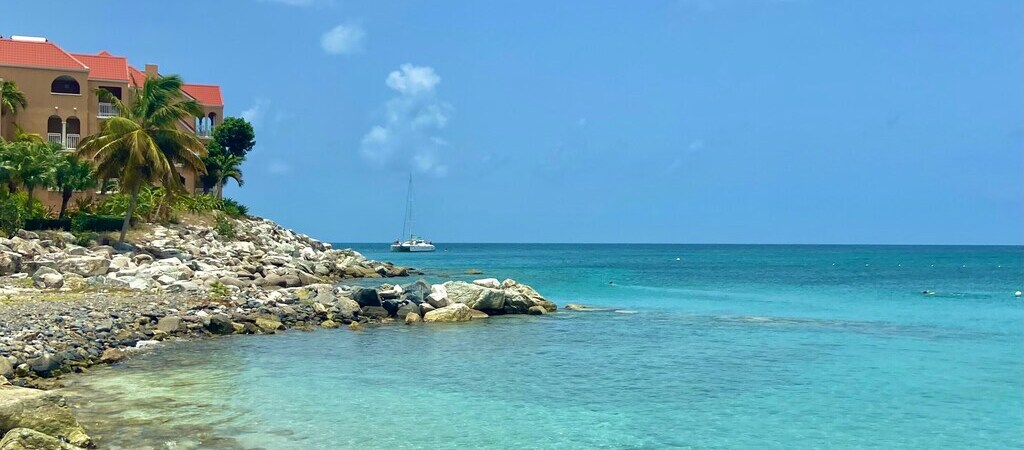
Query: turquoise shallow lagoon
[(728, 347)]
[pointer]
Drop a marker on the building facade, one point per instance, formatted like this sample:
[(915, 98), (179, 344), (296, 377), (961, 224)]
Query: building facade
[(62, 104)]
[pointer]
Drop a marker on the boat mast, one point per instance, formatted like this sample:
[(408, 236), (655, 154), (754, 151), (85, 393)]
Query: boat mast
[(409, 206), (407, 223)]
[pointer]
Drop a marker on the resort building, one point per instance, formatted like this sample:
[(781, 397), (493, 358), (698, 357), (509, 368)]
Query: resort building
[(62, 105)]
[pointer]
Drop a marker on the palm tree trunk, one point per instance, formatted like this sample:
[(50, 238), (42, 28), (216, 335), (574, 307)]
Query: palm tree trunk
[(65, 196), (128, 215), (28, 204), (220, 190)]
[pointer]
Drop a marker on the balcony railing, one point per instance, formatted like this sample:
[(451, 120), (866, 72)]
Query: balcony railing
[(69, 143), (108, 110), (204, 132)]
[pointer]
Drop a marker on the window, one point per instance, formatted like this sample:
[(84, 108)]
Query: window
[(65, 85), (113, 90)]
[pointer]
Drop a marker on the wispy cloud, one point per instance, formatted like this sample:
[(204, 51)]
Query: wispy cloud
[(279, 167), (255, 113), (344, 39), (413, 118)]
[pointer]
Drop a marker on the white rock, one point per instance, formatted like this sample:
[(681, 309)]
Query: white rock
[(452, 313), (492, 283)]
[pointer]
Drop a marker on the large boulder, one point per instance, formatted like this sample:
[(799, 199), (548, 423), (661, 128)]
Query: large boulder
[(26, 439), (43, 411), (458, 312), (366, 297), (47, 278), (220, 324), (347, 307), (406, 309), (170, 324), (475, 296), (10, 262), (492, 283), (86, 266)]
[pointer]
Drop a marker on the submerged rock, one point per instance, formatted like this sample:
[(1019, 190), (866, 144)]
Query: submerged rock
[(26, 439), (45, 412)]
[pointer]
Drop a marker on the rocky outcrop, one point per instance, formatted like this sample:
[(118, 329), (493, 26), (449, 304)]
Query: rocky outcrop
[(42, 411), (509, 297)]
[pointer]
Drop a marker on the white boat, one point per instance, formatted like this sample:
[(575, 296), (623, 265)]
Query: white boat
[(413, 243)]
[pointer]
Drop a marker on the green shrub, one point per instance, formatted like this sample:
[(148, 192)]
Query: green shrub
[(218, 291), (197, 204), (233, 208), (12, 214), (85, 238), (224, 227), (145, 206), (88, 222)]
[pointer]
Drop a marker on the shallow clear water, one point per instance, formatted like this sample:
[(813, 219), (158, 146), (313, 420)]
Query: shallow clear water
[(729, 347)]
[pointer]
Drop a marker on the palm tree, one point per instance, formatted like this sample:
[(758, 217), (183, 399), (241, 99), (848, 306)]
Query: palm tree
[(31, 164), (11, 99), (141, 145), (221, 167), (72, 174)]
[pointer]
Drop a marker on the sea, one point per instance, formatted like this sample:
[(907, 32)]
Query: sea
[(694, 346)]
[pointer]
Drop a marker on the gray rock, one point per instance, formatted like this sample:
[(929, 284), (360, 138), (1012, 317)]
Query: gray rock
[(45, 365), (26, 439), (169, 324), (6, 369), (10, 262), (47, 278), (112, 355), (102, 282), (43, 411), (366, 297), (86, 266), (536, 310), (374, 312), (220, 324), (475, 296), (408, 308)]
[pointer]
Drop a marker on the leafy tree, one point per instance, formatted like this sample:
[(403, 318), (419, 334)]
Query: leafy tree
[(72, 174), (11, 99), (140, 146), (236, 135)]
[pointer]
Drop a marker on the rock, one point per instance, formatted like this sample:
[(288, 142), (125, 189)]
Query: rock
[(220, 324), (6, 369), (406, 309), (475, 296), (46, 364), (47, 278), (86, 266), (477, 314), (273, 279), (391, 306), (438, 300), (43, 411), (268, 325), (169, 324), (412, 318), (366, 297), (329, 324), (232, 281), (458, 312), (183, 286), (10, 262), (536, 310), (355, 326), (112, 355), (348, 307), (425, 308), (102, 282), (579, 307), (374, 312), (474, 272), (492, 283), (26, 439)]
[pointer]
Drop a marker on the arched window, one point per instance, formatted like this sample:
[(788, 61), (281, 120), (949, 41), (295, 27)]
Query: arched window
[(74, 133), (65, 85), (55, 130)]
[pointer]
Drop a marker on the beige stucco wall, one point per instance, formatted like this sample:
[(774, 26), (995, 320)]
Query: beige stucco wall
[(35, 84)]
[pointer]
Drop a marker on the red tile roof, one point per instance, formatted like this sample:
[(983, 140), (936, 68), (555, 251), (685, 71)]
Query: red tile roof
[(105, 67), (37, 54), (136, 77), (204, 93)]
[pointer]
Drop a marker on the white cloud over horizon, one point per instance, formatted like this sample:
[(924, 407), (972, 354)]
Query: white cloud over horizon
[(344, 39), (254, 114), (413, 118)]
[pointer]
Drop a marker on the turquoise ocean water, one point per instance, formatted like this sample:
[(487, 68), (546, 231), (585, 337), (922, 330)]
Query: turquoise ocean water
[(746, 347)]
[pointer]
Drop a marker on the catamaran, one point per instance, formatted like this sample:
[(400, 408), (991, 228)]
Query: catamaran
[(413, 243)]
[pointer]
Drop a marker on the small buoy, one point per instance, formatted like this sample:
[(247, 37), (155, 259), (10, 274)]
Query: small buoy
[(679, 259), (1016, 294)]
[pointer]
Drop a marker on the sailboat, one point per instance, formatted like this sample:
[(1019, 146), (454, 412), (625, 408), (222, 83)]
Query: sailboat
[(413, 243)]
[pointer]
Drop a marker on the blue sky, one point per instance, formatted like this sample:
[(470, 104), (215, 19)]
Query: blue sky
[(732, 121)]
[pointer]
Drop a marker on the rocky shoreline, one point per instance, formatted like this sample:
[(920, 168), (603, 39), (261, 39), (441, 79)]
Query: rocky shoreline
[(65, 307)]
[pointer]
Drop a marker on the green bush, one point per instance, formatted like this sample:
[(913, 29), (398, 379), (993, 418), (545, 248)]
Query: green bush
[(12, 214), (145, 206), (233, 208), (88, 222), (197, 204), (85, 238), (224, 227)]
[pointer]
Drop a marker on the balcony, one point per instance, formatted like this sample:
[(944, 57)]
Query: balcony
[(70, 143), (108, 110)]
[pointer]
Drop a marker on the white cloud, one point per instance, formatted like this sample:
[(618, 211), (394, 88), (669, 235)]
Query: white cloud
[(279, 167), (408, 137), (255, 113), (413, 80), (344, 39)]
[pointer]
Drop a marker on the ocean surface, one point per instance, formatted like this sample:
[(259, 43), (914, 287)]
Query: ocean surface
[(704, 346)]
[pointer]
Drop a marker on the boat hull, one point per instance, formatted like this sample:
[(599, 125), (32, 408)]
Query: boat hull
[(412, 248)]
